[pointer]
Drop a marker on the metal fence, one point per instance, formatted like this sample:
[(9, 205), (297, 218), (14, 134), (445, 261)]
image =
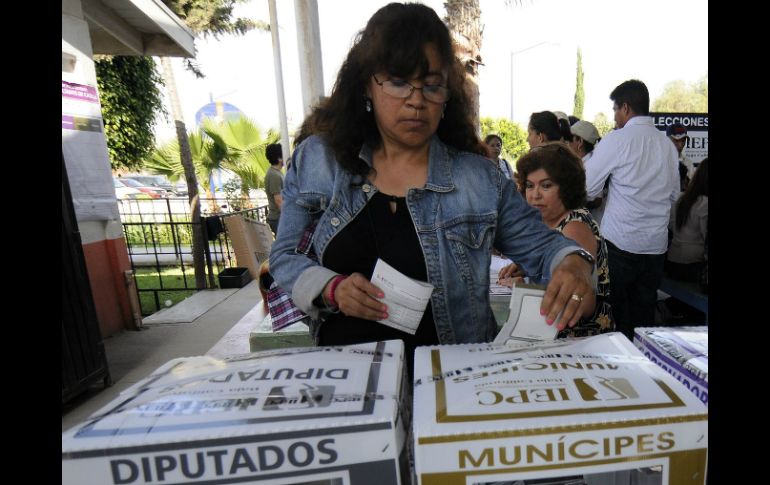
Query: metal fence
[(158, 234)]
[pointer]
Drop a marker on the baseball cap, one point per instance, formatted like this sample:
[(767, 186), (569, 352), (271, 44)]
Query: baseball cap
[(585, 130), (677, 131), (561, 115)]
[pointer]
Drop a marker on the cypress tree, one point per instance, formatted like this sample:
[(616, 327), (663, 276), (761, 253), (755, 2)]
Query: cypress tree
[(579, 93)]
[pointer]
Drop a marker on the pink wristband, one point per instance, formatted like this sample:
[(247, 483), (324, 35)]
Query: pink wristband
[(336, 281)]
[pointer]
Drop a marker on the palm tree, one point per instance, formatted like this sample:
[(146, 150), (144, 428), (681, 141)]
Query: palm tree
[(464, 22), (246, 150), (235, 145), (207, 151), (463, 17)]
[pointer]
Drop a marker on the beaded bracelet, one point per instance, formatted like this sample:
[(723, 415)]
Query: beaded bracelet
[(336, 281)]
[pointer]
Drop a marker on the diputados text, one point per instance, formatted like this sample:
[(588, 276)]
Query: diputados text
[(221, 463)]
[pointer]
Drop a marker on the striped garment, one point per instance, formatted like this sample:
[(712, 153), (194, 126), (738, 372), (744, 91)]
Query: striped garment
[(283, 312)]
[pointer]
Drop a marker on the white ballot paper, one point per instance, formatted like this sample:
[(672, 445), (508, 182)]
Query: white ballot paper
[(525, 323), (405, 297), (495, 265)]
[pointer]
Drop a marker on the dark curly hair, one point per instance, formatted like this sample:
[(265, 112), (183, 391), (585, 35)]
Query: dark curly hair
[(563, 167), (393, 41)]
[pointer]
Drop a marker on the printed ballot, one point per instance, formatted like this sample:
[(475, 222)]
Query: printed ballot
[(405, 297), (525, 323), (495, 265)]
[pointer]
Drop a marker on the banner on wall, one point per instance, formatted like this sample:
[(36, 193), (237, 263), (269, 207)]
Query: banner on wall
[(697, 124), (85, 153)]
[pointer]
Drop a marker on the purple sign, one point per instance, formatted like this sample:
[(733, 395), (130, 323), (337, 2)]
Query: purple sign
[(81, 123), (79, 91)]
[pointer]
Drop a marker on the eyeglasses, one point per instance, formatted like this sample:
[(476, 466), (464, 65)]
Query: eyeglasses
[(402, 89)]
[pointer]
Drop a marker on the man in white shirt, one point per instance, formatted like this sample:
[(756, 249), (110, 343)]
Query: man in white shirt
[(641, 164)]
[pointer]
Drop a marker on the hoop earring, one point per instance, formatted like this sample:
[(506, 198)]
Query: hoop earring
[(368, 105)]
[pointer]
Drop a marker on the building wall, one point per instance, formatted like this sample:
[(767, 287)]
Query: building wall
[(103, 244)]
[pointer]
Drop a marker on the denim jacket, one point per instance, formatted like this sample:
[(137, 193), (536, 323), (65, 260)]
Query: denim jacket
[(466, 207)]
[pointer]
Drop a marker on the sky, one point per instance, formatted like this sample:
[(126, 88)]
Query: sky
[(656, 41)]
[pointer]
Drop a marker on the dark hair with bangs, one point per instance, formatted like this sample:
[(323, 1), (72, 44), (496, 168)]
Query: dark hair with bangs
[(553, 127), (563, 167), (392, 41)]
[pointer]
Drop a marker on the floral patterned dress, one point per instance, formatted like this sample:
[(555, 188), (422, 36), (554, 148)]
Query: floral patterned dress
[(601, 321)]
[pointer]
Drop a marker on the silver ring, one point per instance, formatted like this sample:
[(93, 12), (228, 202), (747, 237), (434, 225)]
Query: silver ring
[(576, 297)]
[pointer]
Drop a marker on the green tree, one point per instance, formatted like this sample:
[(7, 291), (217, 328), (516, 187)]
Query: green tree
[(603, 124), (579, 92), (208, 152), (682, 97), (247, 148), (207, 17), (513, 135), (129, 92), (236, 145)]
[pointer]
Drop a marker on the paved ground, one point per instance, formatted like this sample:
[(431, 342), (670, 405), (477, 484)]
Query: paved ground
[(132, 355)]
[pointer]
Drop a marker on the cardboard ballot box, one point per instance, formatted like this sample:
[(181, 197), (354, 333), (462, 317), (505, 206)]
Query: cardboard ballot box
[(683, 352), (321, 415), (590, 410)]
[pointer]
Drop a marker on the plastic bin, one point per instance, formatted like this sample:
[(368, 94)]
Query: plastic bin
[(234, 277)]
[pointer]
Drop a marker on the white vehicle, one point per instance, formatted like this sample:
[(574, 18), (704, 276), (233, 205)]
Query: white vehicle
[(152, 192), (124, 192)]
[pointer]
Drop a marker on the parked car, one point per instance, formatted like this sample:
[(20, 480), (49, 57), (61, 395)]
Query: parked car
[(159, 181), (154, 192), (180, 189), (124, 192)]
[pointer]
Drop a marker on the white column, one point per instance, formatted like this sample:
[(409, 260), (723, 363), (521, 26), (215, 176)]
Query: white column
[(285, 147), (309, 46)]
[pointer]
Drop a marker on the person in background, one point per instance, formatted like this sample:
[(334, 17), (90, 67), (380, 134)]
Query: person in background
[(495, 144), (573, 119), (688, 225), (390, 167), (584, 137), (274, 185), (640, 163), (544, 126), (677, 133), (552, 179), (561, 115)]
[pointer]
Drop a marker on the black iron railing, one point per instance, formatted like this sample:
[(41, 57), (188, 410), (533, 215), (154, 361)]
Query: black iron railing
[(158, 234)]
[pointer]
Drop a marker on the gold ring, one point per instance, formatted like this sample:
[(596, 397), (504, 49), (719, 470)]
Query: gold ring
[(576, 297)]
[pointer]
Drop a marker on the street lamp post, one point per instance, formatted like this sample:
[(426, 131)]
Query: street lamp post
[(513, 53)]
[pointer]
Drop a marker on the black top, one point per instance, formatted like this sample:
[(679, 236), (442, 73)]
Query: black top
[(377, 232)]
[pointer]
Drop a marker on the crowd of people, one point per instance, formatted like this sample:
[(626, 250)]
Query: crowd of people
[(389, 167)]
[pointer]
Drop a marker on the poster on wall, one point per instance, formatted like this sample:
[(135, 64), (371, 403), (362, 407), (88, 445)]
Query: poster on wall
[(85, 153), (697, 124)]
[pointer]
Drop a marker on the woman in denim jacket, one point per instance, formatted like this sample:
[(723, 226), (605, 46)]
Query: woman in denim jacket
[(390, 167)]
